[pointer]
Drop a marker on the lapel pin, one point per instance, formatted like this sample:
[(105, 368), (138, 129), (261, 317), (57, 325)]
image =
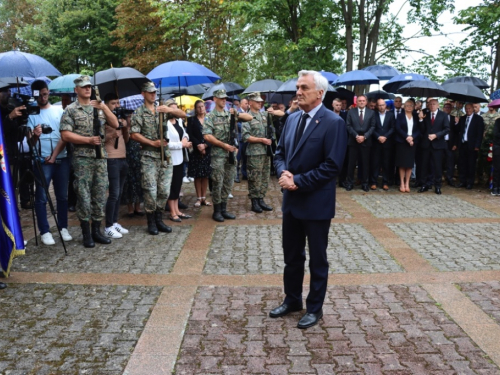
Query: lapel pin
[(317, 121)]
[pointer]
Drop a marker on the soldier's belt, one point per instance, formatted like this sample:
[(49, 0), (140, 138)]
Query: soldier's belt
[(90, 147), (151, 148)]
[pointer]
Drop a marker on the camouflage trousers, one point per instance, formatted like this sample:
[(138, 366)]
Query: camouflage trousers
[(91, 183), (258, 170), (222, 177), (156, 180)]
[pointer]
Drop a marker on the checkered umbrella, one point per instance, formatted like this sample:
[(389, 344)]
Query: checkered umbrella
[(132, 102)]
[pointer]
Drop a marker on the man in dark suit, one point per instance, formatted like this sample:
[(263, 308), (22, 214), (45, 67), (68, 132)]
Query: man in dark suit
[(433, 126), (451, 147), (382, 146), (470, 137), (398, 107), (308, 160), (360, 126)]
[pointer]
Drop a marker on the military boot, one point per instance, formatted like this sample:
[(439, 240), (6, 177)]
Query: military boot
[(87, 237), (224, 213), (152, 228), (97, 236), (255, 205), (162, 227), (217, 214), (263, 205)]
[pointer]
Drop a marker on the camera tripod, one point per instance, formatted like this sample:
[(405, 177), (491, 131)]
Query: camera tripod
[(29, 176)]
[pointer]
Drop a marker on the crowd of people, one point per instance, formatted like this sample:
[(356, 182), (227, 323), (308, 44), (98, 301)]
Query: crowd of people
[(144, 158)]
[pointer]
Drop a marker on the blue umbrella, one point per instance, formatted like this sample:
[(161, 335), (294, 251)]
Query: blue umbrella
[(181, 73), (478, 82), (63, 84), (21, 64), (231, 88), (400, 80), (331, 77), (356, 77), (132, 102), (383, 72), (495, 95)]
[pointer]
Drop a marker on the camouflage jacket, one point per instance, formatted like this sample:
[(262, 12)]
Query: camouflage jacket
[(489, 122), (79, 119), (147, 124), (255, 128), (218, 125)]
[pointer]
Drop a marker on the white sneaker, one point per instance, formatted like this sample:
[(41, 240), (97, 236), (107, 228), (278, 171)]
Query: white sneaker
[(120, 229), (186, 180), (47, 239), (112, 233), (191, 179), (65, 235), (230, 196)]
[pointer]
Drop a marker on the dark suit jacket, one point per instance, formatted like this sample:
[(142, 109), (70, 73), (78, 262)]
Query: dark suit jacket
[(402, 129), (453, 134), (441, 127), (315, 163), (384, 130), (195, 135), (343, 114), (355, 128), (475, 133)]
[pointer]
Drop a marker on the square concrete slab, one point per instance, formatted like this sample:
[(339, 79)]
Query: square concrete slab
[(486, 295)]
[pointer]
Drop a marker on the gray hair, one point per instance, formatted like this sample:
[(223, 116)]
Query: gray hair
[(320, 82)]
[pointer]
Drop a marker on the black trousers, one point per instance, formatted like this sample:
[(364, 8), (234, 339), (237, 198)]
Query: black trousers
[(381, 156), (175, 186), (117, 174), (450, 163), (496, 166), (364, 163), (295, 233), (467, 158), (436, 156)]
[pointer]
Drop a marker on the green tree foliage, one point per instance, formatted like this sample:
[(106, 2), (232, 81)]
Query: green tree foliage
[(74, 35), (14, 16)]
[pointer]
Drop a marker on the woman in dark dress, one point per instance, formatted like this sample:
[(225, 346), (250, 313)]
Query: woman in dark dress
[(407, 133), (199, 161)]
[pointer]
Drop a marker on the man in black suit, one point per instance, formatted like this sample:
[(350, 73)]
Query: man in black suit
[(470, 137), (382, 146), (434, 126), (398, 107), (360, 126), (308, 160), (451, 148)]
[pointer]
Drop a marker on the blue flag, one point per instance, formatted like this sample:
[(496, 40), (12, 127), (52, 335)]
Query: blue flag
[(11, 235)]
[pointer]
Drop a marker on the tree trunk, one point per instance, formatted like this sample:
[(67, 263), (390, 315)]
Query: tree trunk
[(347, 12)]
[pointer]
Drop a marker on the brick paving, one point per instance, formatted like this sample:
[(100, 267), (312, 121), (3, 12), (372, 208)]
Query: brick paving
[(486, 295), (413, 205), (69, 329), (135, 253), (454, 246), (369, 329), (253, 249)]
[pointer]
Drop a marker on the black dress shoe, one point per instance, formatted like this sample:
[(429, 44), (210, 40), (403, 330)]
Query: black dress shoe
[(450, 182), (348, 187), (309, 320), (438, 191), (3, 285), (469, 187), (284, 309), (423, 189), (461, 185), (365, 187)]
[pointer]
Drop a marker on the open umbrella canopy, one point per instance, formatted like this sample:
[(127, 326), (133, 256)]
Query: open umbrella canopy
[(423, 88), (120, 81), (181, 73), (195, 90), (26, 89), (394, 84), (266, 85), (14, 81), (478, 82), (380, 94), (465, 92), (495, 95), (383, 72), (494, 103), (21, 64), (356, 77), (331, 77), (231, 88), (64, 84)]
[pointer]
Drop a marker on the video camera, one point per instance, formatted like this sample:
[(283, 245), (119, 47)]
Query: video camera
[(122, 113), (46, 129), (18, 100)]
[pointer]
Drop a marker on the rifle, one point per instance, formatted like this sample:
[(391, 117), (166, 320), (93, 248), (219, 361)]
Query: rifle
[(161, 135), (97, 123), (233, 140), (270, 133)]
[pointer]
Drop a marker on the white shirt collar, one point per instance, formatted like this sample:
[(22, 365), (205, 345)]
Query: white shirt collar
[(313, 111)]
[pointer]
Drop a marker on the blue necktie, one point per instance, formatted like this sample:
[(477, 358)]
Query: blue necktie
[(300, 129)]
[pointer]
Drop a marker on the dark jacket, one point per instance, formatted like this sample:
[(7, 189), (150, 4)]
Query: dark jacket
[(441, 127), (474, 134), (194, 130), (402, 129), (355, 128), (386, 129)]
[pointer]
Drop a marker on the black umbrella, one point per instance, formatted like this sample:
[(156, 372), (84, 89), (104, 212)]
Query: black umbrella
[(194, 90), (266, 85), (396, 82), (120, 81), (348, 95), (231, 88), (478, 82), (380, 94), (465, 92), (423, 88), (13, 82)]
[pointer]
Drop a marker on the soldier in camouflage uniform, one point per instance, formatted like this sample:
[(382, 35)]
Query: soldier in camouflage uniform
[(216, 132), (483, 166), (458, 110), (156, 176), (91, 174), (255, 133)]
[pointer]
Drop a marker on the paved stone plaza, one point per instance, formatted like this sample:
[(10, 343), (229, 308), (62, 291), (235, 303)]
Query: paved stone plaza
[(414, 288)]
